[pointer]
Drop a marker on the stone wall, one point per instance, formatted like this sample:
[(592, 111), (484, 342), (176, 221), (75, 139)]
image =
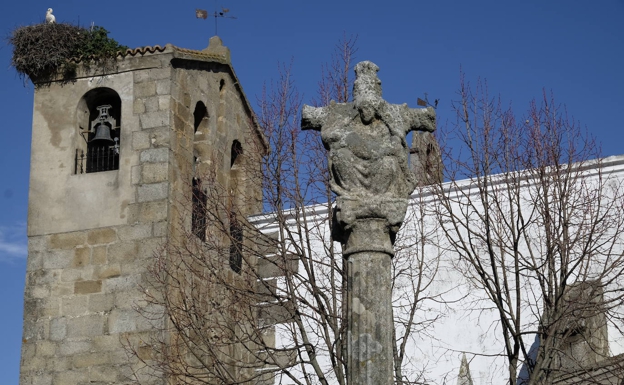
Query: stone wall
[(92, 237)]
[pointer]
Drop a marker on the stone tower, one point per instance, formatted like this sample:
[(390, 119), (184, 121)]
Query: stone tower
[(114, 159)]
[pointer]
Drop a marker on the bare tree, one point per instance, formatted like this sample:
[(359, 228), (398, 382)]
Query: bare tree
[(275, 314), (534, 217)]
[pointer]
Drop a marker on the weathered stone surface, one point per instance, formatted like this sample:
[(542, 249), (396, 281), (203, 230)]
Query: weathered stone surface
[(122, 321), (44, 379), (109, 271), (37, 243), (160, 229), (151, 103), (71, 376), (58, 259), (164, 102), (122, 283), (45, 348), (100, 302), (73, 275), (39, 292), (159, 136), (155, 155), (148, 247), (153, 192), (98, 256), (91, 241), (90, 359), (50, 308), (152, 74), (368, 158), (87, 326), (124, 251), (62, 289), (163, 87), (154, 119), (154, 172), (67, 240), (140, 140), (55, 364), (35, 260), (104, 374), (129, 233), (58, 329), (136, 175), (70, 348), (87, 287), (82, 256), (74, 306), (145, 89), (138, 106), (101, 236)]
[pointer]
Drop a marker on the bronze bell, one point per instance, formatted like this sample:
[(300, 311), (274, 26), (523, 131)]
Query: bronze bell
[(102, 132)]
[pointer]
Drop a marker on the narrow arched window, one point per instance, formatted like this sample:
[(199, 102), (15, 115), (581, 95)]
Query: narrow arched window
[(99, 125), (236, 231), (235, 153), (198, 217), (200, 117), (236, 244)]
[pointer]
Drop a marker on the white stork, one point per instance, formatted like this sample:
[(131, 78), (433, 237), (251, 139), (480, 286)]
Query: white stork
[(50, 17)]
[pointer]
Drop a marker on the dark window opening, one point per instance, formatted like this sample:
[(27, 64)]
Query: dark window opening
[(198, 217), (236, 231), (101, 132), (200, 115), (236, 244), (237, 149)]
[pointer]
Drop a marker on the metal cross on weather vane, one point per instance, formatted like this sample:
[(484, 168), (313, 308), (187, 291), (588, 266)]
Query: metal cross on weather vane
[(203, 14)]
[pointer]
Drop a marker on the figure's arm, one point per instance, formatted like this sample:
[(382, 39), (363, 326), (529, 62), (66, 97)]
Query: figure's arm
[(421, 119), (313, 118)]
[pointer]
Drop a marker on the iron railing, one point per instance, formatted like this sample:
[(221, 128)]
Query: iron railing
[(97, 159)]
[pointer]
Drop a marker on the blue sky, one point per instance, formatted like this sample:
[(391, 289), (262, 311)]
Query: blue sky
[(573, 48)]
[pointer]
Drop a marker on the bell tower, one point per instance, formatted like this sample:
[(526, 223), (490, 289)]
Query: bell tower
[(114, 162)]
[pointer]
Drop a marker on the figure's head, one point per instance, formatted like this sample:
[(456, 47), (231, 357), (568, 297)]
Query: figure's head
[(367, 85), (49, 10), (367, 90)]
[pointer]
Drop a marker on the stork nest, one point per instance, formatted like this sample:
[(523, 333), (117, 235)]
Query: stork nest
[(43, 52)]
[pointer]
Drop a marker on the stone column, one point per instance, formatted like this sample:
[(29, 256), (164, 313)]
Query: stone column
[(369, 314), (372, 180)]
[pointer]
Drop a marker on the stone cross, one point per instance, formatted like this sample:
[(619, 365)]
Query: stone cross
[(371, 177)]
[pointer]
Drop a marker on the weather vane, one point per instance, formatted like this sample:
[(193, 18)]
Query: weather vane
[(203, 14)]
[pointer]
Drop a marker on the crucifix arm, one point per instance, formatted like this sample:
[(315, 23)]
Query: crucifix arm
[(421, 119), (313, 118)]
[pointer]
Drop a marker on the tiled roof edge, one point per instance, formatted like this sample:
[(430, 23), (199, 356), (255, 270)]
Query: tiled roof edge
[(129, 52)]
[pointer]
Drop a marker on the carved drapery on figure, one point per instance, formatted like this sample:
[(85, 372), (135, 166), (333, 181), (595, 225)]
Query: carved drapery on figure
[(368, 159)]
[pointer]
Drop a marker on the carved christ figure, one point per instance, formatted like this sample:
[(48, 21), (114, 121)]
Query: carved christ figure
[(367, 150)]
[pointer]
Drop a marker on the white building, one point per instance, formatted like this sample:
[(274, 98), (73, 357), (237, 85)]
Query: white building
[(455, 315)]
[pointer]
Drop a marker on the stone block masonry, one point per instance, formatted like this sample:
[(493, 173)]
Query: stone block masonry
[(93, 236)]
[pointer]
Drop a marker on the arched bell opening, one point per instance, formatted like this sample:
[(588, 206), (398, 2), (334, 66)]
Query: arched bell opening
[(99, 125)]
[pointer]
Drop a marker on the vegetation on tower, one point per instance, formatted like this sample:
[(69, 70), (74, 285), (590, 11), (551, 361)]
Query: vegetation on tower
[(42, 52)]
